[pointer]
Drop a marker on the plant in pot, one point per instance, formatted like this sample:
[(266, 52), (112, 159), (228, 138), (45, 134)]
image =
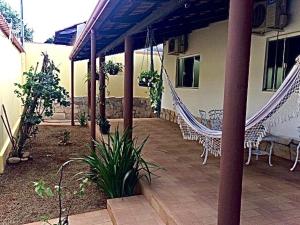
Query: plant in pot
[(147, 78), (104, 125), (112, 68)]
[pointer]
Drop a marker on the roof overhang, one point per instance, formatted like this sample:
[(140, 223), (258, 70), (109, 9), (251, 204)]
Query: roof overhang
[(68, 36), (113, 20)]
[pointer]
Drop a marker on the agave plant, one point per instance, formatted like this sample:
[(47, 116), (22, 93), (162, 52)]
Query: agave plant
[(117, 167)]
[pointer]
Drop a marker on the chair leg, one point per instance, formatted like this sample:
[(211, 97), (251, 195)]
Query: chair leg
[(205, 157), (296, 159), (270, 153), (249, 156), (256, 157), (203, 153)]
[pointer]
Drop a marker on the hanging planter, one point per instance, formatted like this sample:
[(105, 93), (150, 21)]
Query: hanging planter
[(112, 68), (148, 78)]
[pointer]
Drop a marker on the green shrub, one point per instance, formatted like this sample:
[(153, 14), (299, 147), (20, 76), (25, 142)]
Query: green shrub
[(38, 93), (117, 167), (82, 119)]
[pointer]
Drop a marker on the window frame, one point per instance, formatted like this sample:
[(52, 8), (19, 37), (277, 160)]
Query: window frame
[(177, 70), (283, 37)]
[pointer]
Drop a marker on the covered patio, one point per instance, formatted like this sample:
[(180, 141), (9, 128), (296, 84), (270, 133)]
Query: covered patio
[(186, 192)]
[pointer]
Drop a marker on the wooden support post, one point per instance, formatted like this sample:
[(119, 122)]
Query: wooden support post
[(101, 87), (89, 86), (72, 94), (128, 85), (235, 101), (93, 87)]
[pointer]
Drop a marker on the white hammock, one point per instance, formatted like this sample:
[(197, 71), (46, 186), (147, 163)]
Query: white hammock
[(255, 130)]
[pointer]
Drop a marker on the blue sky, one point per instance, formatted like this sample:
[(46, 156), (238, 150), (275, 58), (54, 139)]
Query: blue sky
[(48, 16)]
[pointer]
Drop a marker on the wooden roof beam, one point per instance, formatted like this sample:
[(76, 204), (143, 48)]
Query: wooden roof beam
[(168, 6)]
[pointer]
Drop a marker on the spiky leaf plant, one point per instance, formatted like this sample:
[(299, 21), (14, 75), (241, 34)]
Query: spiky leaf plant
[(117, 167)]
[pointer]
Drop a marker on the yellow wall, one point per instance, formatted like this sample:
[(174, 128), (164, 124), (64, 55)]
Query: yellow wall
[(211, 44), (60, 55), (10, 73), (115, 83)]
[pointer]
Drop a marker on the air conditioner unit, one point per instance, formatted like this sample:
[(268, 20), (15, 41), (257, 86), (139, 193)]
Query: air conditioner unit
[(259, 17), (269, 15), (276, 14), (177, 45)]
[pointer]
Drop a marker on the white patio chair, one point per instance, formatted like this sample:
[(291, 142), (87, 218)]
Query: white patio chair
[(202, 117), (216, 118)]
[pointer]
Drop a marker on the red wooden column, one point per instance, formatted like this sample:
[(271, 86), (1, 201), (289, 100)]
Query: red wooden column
[(235, 100), (72, 94), (101, 87), (89, 86), (93, 87), (128, 85)]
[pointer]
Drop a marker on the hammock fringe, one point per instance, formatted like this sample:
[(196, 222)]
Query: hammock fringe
[(256, 125)]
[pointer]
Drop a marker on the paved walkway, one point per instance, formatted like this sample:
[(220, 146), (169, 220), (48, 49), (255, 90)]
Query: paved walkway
[(189, 191)]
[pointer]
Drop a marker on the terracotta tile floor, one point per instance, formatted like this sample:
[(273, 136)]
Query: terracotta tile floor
[(189, 190), (100, 217)]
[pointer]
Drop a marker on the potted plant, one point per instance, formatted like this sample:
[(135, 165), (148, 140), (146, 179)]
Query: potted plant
[(147, 78), (113, 68), (103, 125)]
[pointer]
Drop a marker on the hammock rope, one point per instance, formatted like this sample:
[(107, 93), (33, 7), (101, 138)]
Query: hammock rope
[(255, 128)]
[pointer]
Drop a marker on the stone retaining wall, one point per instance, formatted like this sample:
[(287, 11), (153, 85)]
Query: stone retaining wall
[(114, 108)]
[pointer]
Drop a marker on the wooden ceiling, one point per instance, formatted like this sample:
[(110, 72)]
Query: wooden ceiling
[(167, 18)]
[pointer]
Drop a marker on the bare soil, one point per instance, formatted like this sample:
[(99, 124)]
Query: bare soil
[(19, 204)]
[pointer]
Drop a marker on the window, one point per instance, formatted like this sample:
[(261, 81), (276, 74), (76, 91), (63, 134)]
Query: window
[(188, 72), (280, 58)]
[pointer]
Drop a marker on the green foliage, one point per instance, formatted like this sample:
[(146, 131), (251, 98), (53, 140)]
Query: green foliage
[(104, 125), (59, 191), (50, 40), (82, 118), (153, 81), (112, 68), (13, 17), (42, 189), (65, 139), (117, 167), (39, 93)]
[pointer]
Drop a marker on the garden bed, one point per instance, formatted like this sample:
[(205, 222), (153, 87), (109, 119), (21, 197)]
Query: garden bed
[(20, 204)]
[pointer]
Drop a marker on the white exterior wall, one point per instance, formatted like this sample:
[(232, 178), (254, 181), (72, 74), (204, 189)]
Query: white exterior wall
[(211, 44)]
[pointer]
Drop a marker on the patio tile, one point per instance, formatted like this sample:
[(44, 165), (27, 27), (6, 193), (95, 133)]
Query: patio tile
[(187, 191)]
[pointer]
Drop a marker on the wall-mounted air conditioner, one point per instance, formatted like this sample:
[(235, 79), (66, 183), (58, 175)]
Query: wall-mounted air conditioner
[(269, 15), (177, 45)]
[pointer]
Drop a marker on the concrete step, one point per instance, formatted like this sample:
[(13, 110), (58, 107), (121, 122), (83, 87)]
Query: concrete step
[(157, 204), (99, 217), (134, 210)]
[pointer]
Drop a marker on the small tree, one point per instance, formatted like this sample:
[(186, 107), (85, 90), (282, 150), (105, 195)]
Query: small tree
[(38, 95)]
